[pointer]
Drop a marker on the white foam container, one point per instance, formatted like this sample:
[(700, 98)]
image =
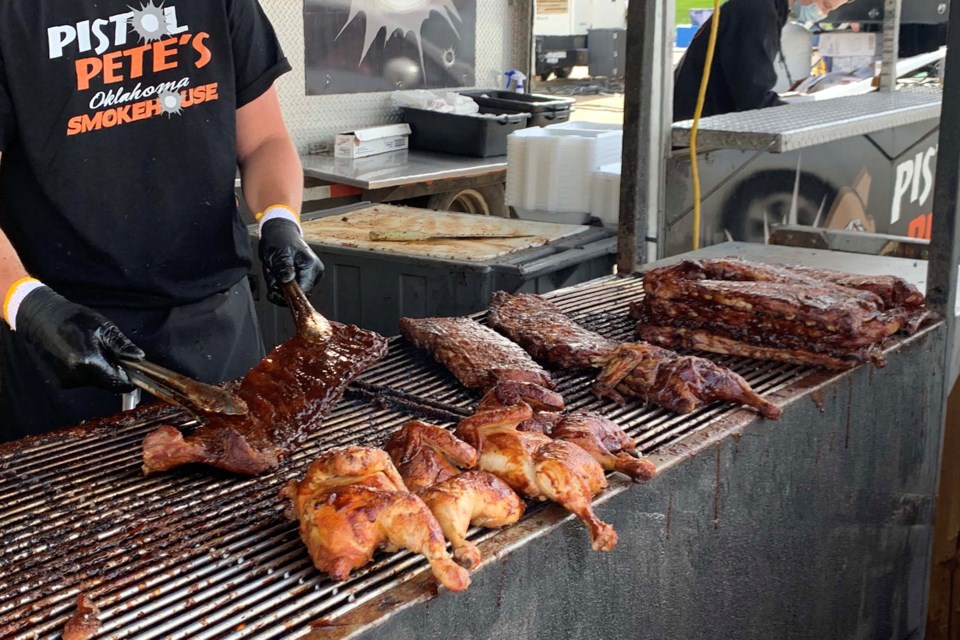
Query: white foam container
[(550, 171), (605, 200)]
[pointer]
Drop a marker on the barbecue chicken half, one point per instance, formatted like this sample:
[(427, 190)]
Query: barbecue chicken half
[(600, 437), (536, 466), (353, 502), (430, 460)]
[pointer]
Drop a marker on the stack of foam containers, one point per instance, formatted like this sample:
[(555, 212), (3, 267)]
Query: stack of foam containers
[(605, 200), (550, 172)]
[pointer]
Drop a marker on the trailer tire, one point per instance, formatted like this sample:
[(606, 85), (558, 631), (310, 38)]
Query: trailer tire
[(485, 201), (563, 72), (771, 192)]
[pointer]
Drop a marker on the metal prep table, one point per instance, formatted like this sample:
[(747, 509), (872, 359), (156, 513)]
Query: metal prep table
[(814, 526), (398, 175)]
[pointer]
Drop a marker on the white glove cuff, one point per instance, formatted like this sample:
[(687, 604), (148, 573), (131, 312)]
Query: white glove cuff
[(16, 294), (280, 211)]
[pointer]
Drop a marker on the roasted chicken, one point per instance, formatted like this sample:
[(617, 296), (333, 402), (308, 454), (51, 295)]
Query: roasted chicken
[(430, 460), (538, 467), (680, 383), (352, 502), (425, 454), (604, 440)]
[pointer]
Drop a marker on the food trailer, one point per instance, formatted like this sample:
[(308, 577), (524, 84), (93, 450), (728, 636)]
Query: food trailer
[(817, 525)]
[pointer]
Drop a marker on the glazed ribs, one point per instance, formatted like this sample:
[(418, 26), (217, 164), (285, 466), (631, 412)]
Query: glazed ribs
[(288, 393), (546, 332), (774, 312), (679, 383), (476, 355)]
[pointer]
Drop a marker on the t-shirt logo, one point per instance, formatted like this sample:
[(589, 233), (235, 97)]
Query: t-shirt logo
[(119, 60)]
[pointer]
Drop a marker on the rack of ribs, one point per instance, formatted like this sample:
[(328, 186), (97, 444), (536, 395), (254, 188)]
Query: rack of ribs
[(432, 463), (797, 315), (288, 393), (353, 502), (894, 291), (678, 383), (476, 355)]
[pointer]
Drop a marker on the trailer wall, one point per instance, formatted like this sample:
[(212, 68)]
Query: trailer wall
[(503, 43)]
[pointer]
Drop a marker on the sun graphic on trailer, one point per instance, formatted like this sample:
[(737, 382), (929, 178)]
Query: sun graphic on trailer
[(405, 17)]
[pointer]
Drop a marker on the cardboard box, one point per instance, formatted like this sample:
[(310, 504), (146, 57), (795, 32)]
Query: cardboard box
[(849, 64), (370, 142), (848, 44)]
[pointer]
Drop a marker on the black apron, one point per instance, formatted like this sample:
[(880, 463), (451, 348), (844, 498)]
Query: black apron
[(213, 340)]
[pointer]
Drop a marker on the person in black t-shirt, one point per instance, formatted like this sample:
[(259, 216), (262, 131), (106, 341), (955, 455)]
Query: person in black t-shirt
[(121, 129), (748, 43)]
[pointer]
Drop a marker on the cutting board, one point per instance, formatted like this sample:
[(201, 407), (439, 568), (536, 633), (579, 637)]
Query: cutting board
[(353, 230)]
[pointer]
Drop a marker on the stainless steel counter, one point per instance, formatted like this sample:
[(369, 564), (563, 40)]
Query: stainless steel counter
[(397, 168), (797, 126)]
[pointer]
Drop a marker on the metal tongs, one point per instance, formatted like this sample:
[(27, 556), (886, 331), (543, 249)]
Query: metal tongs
[(199, 398), (196, 397)]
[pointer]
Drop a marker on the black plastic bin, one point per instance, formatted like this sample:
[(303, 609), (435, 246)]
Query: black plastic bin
[(544, 110), (461, 135)]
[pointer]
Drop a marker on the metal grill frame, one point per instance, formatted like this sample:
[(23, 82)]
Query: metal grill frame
[(201, 555)]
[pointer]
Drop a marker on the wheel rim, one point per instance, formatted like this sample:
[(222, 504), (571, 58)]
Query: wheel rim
[(470, 201), (777, 207)]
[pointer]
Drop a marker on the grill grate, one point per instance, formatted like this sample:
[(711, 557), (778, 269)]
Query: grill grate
[(205, 555)]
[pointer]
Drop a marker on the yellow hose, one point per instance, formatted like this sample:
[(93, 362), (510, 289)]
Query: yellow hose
[(698, 112)]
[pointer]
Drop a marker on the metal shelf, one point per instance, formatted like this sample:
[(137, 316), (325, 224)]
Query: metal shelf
[(808, 124)]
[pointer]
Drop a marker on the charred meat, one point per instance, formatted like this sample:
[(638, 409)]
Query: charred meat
[(797, 315), (545, 331), (678, 383)]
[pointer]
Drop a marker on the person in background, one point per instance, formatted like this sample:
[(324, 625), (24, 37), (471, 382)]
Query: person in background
[(122, 126), (748, 43)]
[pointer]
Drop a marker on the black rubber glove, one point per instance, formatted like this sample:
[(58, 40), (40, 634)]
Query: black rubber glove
[(286, 257), (79, 344)]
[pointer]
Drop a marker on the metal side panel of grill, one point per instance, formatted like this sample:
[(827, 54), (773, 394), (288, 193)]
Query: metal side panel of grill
[(817, 525)]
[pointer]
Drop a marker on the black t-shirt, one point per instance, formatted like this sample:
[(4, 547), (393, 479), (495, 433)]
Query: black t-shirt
[(118, 133), (743, 74)]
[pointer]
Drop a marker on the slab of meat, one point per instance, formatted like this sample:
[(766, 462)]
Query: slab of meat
[(796, 315), (761, 328), (431, 462), (894, 291), (706, 340), (826, 307), (353, 502), (288, 393), (477, 356), (545, 331), (680, 383)]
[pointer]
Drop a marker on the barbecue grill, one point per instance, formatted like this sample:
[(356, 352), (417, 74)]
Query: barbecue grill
[(817, 525)]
